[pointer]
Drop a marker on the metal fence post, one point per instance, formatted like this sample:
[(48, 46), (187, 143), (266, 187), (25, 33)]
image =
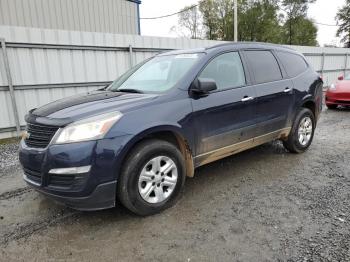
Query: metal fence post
[(322, 64), (346, 63), (10, 85), (131, 62)]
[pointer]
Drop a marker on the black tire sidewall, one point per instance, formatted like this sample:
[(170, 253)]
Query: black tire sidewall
[(132, 171), (295, 140)]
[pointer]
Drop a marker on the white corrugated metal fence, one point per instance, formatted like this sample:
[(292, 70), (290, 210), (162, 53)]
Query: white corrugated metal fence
[(47, 65)]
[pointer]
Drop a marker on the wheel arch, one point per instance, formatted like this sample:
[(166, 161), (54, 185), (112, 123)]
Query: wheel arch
[(309, 102), (171, 134)]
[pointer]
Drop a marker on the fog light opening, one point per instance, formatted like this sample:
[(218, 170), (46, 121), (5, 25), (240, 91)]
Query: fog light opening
[(70, 170)]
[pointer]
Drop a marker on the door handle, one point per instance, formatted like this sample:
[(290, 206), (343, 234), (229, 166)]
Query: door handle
[(247, 98), (287, 90)]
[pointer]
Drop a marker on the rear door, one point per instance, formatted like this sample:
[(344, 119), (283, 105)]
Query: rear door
[(226, 116), (295, 67), (274, 95)]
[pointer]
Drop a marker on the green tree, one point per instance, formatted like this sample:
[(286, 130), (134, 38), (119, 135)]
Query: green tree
[(225, 15), (209, 10), (343, 20), (190, 22), (296, 11), (259, 21), (303, 32)]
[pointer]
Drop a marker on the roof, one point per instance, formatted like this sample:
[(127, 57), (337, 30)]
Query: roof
[(238, 45)]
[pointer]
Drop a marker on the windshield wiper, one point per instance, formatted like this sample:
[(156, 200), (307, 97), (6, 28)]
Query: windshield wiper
[(130, 90), (104, 88)]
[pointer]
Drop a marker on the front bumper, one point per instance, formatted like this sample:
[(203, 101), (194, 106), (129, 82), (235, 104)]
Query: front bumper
[(101, 198), (93, 190), (333, 98)]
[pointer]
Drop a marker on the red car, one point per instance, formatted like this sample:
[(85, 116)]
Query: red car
[(338, 94)]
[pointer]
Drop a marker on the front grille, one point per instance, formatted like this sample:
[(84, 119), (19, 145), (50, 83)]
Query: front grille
[(33, 175), (39, 136)]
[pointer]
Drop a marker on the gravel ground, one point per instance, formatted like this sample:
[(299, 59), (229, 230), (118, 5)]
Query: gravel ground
[(261, 205), (8, 156)]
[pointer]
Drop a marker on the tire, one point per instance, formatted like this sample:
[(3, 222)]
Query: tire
[(139, 175), (331, 106), (293, 143)]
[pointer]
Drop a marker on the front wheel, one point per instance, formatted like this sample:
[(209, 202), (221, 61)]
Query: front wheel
[(152, 177), (302, 132)]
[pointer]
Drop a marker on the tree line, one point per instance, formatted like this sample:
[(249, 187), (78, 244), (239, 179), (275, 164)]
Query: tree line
[(343, 21), (274, 21)]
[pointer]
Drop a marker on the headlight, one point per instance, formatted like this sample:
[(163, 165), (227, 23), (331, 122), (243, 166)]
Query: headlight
[(88, 129), (332, 87)]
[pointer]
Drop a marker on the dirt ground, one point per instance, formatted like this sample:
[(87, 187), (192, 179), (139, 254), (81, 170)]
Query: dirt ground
[(261, 205)]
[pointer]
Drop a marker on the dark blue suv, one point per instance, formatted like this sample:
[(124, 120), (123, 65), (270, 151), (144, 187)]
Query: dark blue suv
[(136, 140)]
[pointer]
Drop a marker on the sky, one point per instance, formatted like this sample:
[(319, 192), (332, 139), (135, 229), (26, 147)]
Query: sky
[(323, 11)]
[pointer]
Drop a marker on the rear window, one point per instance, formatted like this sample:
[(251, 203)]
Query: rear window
[(264, 66), (293, 63)]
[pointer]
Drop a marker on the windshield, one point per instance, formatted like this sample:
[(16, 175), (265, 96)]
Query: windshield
[(158, 74), (347, 77)]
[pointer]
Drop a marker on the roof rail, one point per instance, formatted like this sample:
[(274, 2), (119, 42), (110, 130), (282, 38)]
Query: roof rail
[(249, 44)]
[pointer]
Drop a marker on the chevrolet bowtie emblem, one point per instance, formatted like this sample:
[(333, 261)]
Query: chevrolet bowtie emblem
[(25, 135)]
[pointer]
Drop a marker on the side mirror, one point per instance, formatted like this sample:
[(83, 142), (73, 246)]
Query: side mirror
[(340, 78), (202, 86)]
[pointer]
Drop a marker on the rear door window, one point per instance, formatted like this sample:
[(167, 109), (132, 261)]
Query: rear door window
[(293, 63), (264, 66), (226, 70)]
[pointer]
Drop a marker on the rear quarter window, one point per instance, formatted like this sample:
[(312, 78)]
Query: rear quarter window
[(294, 64), (264, 66)]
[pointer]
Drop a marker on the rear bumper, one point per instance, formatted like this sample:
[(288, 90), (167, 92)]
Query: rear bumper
[(102, 197)]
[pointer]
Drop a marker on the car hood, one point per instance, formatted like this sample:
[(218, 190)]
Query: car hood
[(343, 86), (67, 110)]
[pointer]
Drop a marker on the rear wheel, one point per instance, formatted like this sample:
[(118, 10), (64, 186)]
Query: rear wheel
[(152, 177), (302, 132), (331, 106)]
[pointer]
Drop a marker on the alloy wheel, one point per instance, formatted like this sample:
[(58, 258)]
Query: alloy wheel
[(158, 179), (305, 131)]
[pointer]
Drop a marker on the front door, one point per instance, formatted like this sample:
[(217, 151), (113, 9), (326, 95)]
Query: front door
[(226, 116)]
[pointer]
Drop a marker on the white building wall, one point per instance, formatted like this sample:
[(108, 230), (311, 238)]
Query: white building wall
[(109, 16)]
